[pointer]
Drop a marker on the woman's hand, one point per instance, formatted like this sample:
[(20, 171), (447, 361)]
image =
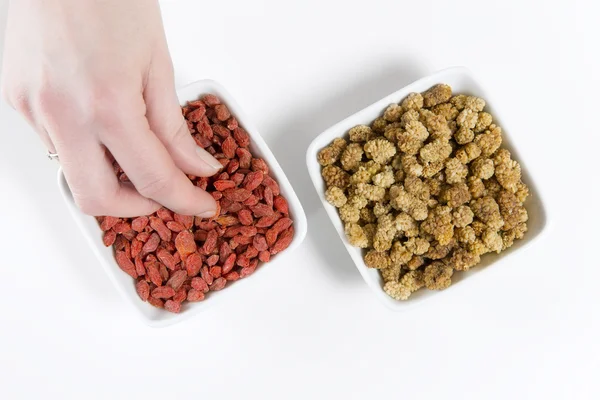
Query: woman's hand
[(94, 76)]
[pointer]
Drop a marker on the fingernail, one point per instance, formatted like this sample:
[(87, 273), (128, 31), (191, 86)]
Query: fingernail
[(207, 214), (208, 158)]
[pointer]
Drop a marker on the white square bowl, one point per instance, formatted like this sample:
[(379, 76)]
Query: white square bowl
[(125, 285), (462, 82)]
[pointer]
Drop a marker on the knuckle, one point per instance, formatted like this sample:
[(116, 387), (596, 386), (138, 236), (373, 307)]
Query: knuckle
[(155, 186), (48, 100), (180, 134)]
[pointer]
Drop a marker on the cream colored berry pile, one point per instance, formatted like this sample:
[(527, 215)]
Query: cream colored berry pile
[(426, 189)]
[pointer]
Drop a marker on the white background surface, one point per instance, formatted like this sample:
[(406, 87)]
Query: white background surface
[(311, 328)]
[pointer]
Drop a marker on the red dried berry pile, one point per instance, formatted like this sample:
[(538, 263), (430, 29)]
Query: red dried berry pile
[(176, 258)]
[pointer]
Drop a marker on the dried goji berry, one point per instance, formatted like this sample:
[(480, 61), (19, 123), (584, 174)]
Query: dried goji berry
[(215, 271), (233, 207), (185, 243), (205, 274), (156, 302), (229, 263), (221, 185), (180, 295), (251, 252), (195, 103), (232, 276), (199, 284), (177, 279), (109, 238), (261, 210), (220, 131), (241, 137), (186, 220), (138, 224), (136, 247), (202, 140), (122, 227), (165, 214), (202, 183), (267, 221), (232, 166), (139, 266), (242, 261), (268, 196), (281, 204), (284, 241), (244, 156), (245, 217), (232, 231), (241, 239), (207, 225), (258, 164), (210, 243), (151, 244), (164, 272), (211, 100), (153, 272), (229, 146), (248, 231), (259, 192), (224, 251), (172, 306), (143, 289), (130, 234), (108, 222), (193, 263), (233, 243), (270, 183), (260, 243), (251, 201), (143, 237), (163, 292), (227, 220), (222, 112), (212, 260), (197, 114), (195, 295), (253, 180), (126, 264), (236, 194), (246, 271), (232, 123), (159, 226), (264, 256), (218, 284), (175, 226), (223, 176)]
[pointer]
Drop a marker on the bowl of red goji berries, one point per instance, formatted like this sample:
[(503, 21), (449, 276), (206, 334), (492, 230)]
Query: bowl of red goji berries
[(171, 266)]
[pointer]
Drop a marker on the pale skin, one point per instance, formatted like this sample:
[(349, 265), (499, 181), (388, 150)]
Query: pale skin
[(92, 76)]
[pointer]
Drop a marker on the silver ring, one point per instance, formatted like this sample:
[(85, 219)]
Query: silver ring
[(52, 156)]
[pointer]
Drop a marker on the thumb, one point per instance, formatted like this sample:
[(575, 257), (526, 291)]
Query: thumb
[(166, 121)]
